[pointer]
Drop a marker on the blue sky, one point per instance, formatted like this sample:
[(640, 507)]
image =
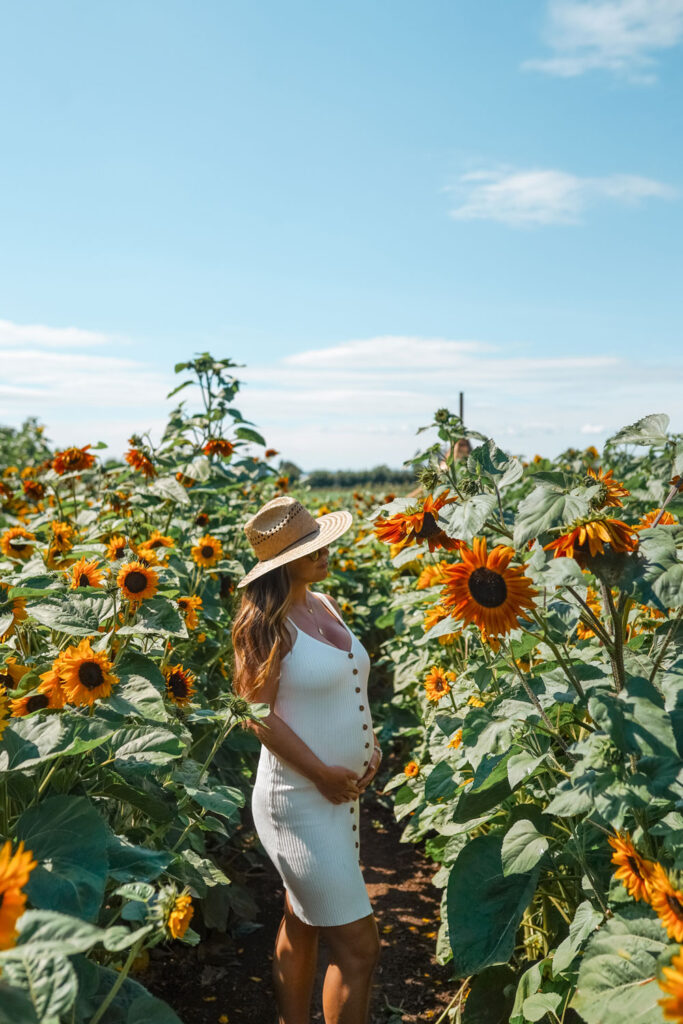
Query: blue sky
[(372, 205)]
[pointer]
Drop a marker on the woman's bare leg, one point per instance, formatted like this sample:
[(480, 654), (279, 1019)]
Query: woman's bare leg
[(294, 965), (354, 952)]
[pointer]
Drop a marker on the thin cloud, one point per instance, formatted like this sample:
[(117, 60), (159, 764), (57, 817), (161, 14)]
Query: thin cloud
[(20, 335), (621, 36), (539, 197)]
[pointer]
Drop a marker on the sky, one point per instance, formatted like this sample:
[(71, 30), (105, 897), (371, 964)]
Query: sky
[(369, 205)]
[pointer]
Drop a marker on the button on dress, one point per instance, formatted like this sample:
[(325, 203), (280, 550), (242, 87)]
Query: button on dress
[(313, 843)]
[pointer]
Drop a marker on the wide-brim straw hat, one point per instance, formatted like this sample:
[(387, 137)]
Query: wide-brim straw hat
[(283, 529)]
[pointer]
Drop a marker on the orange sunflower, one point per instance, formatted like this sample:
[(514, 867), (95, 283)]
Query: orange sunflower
[(4, 709), (431, 576), (590, 536), (51, 683), (667, 902), (139, 461), (672, 985), (417, 523), (457, 740), (180, 915), (15, 542), (647, 520), (62, 536), (219, 446), (635, 872), (583, 631), (73, 460), (483, 589), (86, 675), (189, 606), (15, 870), (207, 551), (33, 489), (186, 481), (84, 574), (30, 702), (613, 491), (179, 684), (17, 605), (437, 683), (270, 452), (137, 581), (117, 547), (155, 549), (411, 769)]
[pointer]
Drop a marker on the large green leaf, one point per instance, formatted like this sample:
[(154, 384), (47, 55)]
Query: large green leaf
[(465, 519), (440, 782), (482, 930), (49, 982), (636, 720), (140, 688), (650, 430), (157, 615), (489, 788), (169, 487), (220, 799), (661, 579), (128, 863), (42, 737), (15, 1006), (586, 920), (132, 1004), (547, 507), (617, 977), (490, 996), (50, 933), (144, 745), (523, 847), (76, 614)]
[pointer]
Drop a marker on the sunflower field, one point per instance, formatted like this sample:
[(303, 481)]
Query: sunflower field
[(527, 686), (537, 659)]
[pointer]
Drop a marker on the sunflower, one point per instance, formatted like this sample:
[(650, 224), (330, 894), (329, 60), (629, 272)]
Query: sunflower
[(647, 520), (139, 461), (672, 984), (434, 615), (219, 446), (116, 548), (73, 460), (270, 453), (155, 548), (431, 576), (62, 536), (437, 683), (476, 702), (411, 769), (457, 740), (635, 872), (15, 542), (417, 523), (17, 605), (12, 672), (4, 709), (179, 684), (189, 607), (484, 589), (14, 875), (207, 551), (180, 915), (611, 491), (137, 581), (201, 519), (282, 482), (33, 489), (186, 481), (586, 536), (51, 683), (667, 902), (84, 574), (584, 631), (85, 674), (30, 702)]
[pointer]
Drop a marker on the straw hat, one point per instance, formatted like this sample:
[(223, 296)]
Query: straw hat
[(283, 530)]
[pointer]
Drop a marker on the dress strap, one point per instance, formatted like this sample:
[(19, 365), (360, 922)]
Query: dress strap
[(330, 606)]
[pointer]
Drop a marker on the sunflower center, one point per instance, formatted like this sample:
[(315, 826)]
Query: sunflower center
[(6, 679), (429, 526), (207, 551), (155, 544), (487, 587), (178, 684), (37, 701), (439, 684), (675, 905), (136, 581), (118, 552), (90, 675), (635, 867), (83, 580)]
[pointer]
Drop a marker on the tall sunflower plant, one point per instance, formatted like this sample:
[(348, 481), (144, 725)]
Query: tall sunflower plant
[(539, 648), (122, 771)]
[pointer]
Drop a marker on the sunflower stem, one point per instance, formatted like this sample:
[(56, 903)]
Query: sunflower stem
[(617, 656), (133, 952), (536, 702), (595, 622), (667, 640)]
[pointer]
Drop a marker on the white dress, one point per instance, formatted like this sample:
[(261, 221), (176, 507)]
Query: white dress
[(313, 843)]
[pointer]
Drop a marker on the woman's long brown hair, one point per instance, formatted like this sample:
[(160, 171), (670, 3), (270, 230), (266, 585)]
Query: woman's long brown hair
[(258, 631)]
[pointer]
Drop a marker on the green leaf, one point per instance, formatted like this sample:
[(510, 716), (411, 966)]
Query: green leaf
[(465, 519), (489, 788), (661, 581), (539, 1004), (157, 615), (490, 997), (225, 800), (15, 1006), (586, 920), (482, 930), (442, 628), (49, 981), (186, 383), (440, 783), (545, 508), (140, 688), (247, 434), (129, 863), (523, 847), (68, 839), (650, 430), (144, 745), (169, 487), (77, 614), (617, 977)]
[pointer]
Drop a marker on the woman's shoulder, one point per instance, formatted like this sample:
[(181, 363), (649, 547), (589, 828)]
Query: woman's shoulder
[(327, 597)]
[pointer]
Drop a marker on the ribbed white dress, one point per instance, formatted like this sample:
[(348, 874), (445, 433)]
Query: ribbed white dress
[(313, 843)]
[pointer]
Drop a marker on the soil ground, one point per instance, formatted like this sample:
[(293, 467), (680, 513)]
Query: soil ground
[(222, 981)]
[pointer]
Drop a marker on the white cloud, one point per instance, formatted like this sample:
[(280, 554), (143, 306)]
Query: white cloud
[(615, 35), (19, 335), (592, 428), (537, 196)]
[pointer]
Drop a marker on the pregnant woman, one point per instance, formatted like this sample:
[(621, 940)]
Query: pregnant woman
[(294, 652)]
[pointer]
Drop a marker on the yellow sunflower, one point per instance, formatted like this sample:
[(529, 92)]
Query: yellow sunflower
[(15, 870), (207, 551), (179, 684), (583, 631), (137, 581), (117, 547), (484, 589), (51, 684), (586, 536), (431, 576), (12, 672), (411, 769), (73, 460), (667, 902), (30, 702), (613, 491), (457, 740), (647, 520), (189, 606), (672, 985), (86, 675), (15, 542), (180, 915), (84, 574), (635, 872), (155, 549), (139, 462), (434, 615), (62, 536), (4, 709), (19, 613), (437, 683)]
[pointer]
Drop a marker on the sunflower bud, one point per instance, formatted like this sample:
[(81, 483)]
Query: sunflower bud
[(429, 477), (469, 486), (442, 416)]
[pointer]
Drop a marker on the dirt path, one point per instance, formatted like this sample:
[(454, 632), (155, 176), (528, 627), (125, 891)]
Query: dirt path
[(229, 982)]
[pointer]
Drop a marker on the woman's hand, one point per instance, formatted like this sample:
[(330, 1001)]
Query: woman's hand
[(371, 770), (338, 784)]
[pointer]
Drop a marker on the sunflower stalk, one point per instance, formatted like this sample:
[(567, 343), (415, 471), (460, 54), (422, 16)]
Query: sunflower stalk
[(537, 704), (673, 629), (123, 974), (617, 656), (594, 622)]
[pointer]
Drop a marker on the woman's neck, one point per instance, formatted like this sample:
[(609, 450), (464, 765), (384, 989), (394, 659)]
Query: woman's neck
[(298, 595)]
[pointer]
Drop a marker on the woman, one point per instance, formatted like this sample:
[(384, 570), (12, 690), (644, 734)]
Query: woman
[(294, 652)]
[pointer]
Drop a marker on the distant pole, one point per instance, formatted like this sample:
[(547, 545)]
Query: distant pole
[(462, 405)]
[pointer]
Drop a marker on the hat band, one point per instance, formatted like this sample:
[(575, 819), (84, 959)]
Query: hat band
[(299, 540)]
